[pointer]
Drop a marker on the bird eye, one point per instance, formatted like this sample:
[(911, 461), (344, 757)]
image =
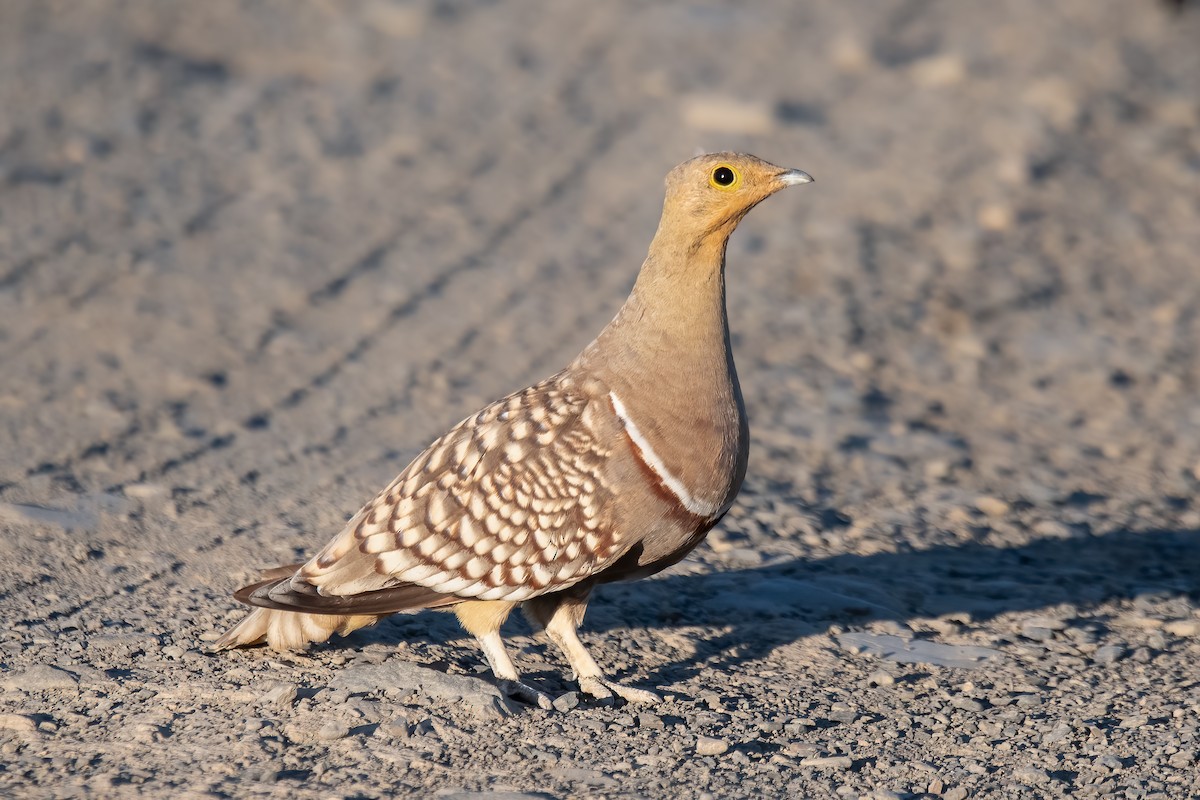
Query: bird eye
[(724, 177)]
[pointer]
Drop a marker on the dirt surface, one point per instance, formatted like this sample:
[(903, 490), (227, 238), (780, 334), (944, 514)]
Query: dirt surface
[(254, 256)]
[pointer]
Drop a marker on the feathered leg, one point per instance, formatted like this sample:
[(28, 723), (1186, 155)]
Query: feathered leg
[(482, 619), (561, 614)]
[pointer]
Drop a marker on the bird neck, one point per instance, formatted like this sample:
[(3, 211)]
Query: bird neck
[(674, 323), (666, 356)]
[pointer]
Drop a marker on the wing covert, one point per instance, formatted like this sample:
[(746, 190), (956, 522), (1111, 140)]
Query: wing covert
[(510, 503)]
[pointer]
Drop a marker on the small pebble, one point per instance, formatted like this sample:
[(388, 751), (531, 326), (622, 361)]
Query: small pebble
[(828, 762), (708, 746), (992, 506), (566, 701), (940, 70), (651, 721), (332, 731), (880, 678), (802, 749), (396, 727), (145, 491), (997, 218), (966, 703), (1051, 623), (1030, 775), (281, 696)]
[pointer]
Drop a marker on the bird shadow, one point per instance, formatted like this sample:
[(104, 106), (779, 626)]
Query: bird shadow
[(762, 608), (759, 609)]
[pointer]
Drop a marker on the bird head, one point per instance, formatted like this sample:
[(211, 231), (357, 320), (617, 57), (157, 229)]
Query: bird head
[(710, 194)]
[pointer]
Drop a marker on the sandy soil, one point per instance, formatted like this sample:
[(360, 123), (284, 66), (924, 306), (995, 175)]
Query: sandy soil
[(254, 256)]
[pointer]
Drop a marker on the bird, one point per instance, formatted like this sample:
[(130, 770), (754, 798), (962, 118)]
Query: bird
[(613, 469)]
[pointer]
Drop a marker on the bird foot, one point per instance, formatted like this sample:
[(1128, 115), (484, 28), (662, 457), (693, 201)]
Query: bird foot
[(526, 694), (602, 689)]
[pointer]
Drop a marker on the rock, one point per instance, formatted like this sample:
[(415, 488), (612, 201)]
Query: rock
[(802, 749), (1036, 632), (17, 722), (52, 517), (146, 491), (849, 54), (566, 701), (396, 727), (332, 731), (997, 218), (937, 71), (40, 678), (1049, 623), (1061, 732), (992, 506), (486, 795), (828, 762), (492, 709), (652, 721), (880, 678), (402, 675), (708, 746), (966, 703), (1108, 654), (281, 696), (110, 643), (957, 793), (1030, 775), (1182, 627)]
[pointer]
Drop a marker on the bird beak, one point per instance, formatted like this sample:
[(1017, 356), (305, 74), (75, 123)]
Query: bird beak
[(793, 177)]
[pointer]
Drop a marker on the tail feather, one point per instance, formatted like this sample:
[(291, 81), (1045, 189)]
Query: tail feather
[(293, 614), (290, 630)]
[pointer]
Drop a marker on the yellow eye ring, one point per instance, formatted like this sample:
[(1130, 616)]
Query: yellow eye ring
[(725, 178)]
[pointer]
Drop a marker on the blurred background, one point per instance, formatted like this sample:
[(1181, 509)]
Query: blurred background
[(295, 241), (255, 255)]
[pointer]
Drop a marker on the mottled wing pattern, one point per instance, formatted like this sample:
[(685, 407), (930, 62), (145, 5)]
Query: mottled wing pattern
[(508, 505)]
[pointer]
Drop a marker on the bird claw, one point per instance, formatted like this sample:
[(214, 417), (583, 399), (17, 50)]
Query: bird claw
[(602, 690), (526, 694)]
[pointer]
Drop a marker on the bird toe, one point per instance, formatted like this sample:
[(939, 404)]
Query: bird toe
[(525, 693), (602, 689)]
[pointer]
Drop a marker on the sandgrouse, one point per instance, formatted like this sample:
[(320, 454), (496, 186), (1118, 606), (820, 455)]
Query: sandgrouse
[(613, 469)]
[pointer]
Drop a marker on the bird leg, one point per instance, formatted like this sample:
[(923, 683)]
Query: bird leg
[(483, 619), (561, 614)]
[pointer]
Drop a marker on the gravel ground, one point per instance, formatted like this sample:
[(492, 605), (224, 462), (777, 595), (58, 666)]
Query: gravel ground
[(253, 256)]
